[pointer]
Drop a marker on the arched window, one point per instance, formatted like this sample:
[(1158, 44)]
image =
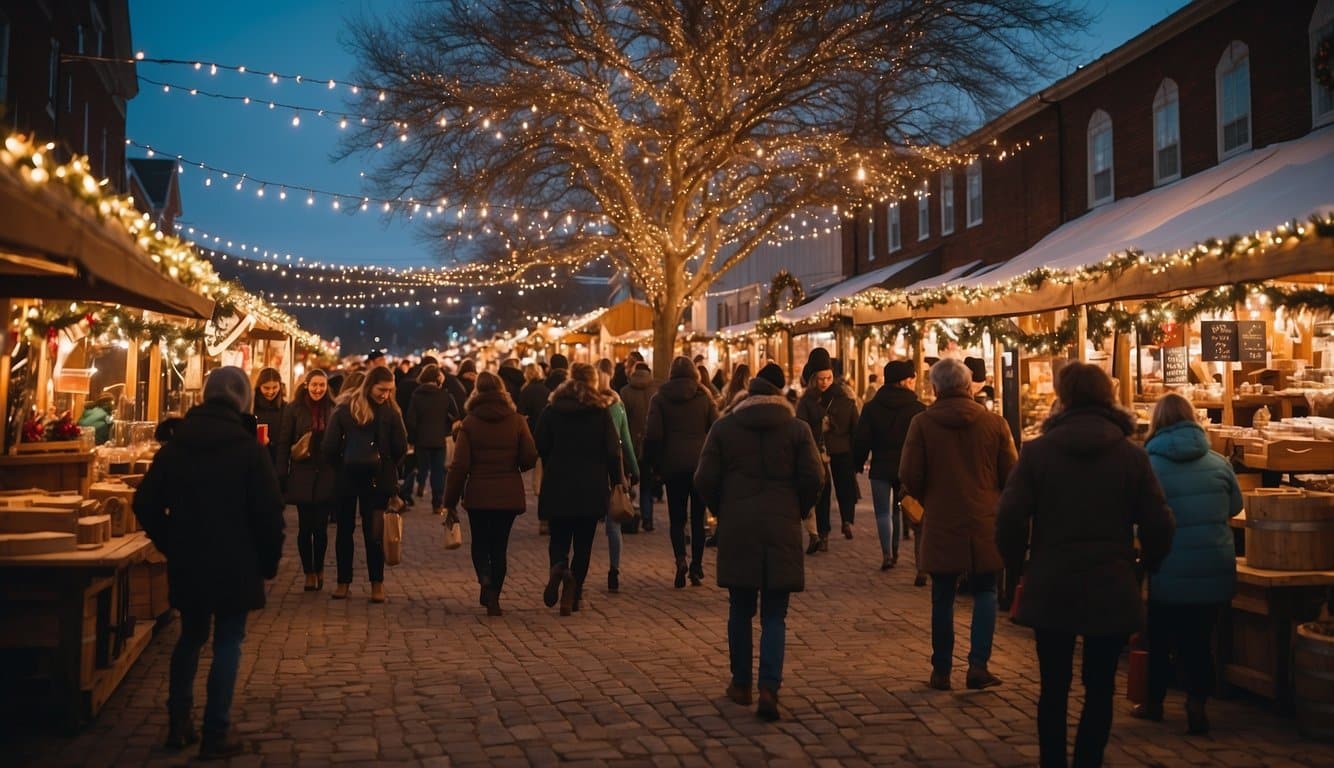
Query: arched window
[(1101, 187), (1166, 134), (1233, 83), (1321, 30)]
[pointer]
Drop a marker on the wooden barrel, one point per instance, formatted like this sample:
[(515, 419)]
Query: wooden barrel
[(1289, 530), (1313, 679)]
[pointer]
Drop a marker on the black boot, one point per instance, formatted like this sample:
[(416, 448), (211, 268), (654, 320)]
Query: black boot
[(814, 546), (220, 747), (181, 731)]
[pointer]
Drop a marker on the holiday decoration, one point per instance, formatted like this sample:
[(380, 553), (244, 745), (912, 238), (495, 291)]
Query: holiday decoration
[(783, 281)]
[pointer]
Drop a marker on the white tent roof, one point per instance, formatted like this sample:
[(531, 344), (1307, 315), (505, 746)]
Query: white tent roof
[(844, 290)]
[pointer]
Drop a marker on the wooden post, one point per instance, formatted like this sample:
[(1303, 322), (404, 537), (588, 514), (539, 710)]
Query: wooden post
[(153, 411), (997, 380), (1082, 334), (917, 355), (1228, 416), (1121, 367), (131, 390)]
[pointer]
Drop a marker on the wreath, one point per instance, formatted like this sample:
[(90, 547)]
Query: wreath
[(783, 281), (1324, 70)]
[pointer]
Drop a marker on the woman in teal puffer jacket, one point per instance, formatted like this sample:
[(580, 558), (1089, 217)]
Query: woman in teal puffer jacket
[(1198, 576)]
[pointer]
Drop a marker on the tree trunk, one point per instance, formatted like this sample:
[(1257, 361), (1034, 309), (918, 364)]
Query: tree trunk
[(664, 340)]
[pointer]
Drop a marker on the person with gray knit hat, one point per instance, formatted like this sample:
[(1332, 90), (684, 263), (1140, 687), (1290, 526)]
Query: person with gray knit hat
[(222, 541)]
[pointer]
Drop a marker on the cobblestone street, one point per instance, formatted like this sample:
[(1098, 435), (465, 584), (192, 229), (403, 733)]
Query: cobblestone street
[(635, 678)]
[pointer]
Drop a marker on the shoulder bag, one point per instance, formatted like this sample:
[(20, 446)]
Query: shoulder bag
[(301, 448)]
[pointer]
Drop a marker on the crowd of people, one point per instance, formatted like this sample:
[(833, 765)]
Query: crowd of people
[(1083, 512)]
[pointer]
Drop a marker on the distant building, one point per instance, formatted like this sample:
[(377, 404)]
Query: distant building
[(156, 190)]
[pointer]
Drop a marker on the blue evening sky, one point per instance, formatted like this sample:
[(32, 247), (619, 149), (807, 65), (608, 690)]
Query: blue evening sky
[(304, 37)]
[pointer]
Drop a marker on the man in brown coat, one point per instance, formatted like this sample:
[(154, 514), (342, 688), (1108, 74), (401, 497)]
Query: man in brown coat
[(955, 462)]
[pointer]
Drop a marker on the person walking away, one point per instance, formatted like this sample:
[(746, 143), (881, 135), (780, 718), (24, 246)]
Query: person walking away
[(759, 472), (1079, 496), (955, 460), (429, 422), (630, 467), (511, 373), (532, 401), (636, 396), (268, 407), (577, 442), (679, 418), (872, 387), (365, 440), (309, 481), (828, 408), (404, 386), (468, 375), (881, 430), (210, 503), (1199, 575), (737, 385), (492, 449)]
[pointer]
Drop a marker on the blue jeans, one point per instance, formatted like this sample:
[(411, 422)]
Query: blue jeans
[(773, 636), (888, 517), (943, 585), (646, 501), (613, 544), (228, 632), (426, 460)]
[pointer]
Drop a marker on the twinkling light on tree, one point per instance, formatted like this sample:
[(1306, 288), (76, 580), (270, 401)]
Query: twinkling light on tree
[(674, 138)]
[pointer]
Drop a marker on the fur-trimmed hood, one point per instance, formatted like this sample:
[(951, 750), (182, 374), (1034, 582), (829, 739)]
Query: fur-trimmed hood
[(571, 394), (762, 411), (489, 406)]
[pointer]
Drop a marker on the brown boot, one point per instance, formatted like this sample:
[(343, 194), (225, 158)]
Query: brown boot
[(377, 592), (220, 747), (814, 545), (311, 581), (739, 695), (340, 591), (981, 677), (493, 602), (181, 731), (768, 707), (551, 595), (568, 593)]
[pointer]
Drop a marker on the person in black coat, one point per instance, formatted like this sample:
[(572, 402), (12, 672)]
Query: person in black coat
[(581, 451), (404, 385), (429, 422), (210, 502), (365, 440), (310, 483), (511, 373), (268, 406), (760, 473), (829, 408), (881, 430)]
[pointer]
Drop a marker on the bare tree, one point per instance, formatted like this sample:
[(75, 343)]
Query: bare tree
[(674, 137)]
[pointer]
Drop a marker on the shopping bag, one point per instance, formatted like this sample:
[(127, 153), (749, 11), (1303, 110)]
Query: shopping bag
[(393, 538), (453, 532), (619, 506)]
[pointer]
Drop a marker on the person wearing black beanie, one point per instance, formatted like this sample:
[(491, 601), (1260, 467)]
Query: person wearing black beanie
[(829, 408), (881, 430)]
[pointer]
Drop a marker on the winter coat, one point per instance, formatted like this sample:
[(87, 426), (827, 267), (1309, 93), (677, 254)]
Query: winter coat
[(513, 378), (679, 417), (532, 401), (636, 396), (491, 448), (390, 437), (455, 389), (314, 480), (581, 456), (955, 460), (881, 430), (430, 417), (270, 413), (555, 378), (1084, 490), (405, 386), (758, 472), (835, 434), (629, 462), (210, 503), (1202, 491)]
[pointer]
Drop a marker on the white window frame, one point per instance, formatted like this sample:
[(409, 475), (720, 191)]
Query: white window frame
[(895, 227), (924, 210), (1322, 99), (974, 210), (1235, 57), (1100, 126), (947, 201), (1167, 100)]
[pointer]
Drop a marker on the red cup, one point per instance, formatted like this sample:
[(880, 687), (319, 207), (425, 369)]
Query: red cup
[(262, 433)]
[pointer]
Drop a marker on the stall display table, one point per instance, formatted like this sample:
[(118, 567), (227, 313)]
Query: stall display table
[(78, 610), (1256, 641), (64, 471)]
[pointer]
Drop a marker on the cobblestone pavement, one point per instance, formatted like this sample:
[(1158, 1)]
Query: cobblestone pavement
[(635, 678)]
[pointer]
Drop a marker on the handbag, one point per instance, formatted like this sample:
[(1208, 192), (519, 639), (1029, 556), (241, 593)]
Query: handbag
[(393, 538), (912, 510), (360, 448), (301, 448), (453, 532), (619, 506)]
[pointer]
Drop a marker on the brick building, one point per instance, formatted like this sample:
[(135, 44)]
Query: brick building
[(78, 104)]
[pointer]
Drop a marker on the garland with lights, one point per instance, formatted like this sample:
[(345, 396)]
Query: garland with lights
[(1321, 63), (783, 281)]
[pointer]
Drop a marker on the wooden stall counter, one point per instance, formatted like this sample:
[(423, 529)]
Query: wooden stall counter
[(64, 471), (85, 614), (1256, 644)]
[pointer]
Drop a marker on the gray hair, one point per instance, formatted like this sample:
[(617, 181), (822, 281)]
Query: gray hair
[(949, 375)]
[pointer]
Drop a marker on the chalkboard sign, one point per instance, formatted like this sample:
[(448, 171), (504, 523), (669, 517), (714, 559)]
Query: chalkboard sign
[(1176, 366), (1218, 341), (1251, 341)]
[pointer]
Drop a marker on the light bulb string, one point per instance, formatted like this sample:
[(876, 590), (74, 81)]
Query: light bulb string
[(214, 67), (323, 112)]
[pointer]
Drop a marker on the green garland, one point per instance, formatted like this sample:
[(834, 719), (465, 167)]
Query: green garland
[(123, 323), (782, 281)]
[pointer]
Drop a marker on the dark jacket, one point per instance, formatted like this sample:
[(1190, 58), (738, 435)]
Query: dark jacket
[(1202, 491), (835, 433), (430, 417), (404, 385), (581, 456), (759, 470), (636, 396), (679, 417), (881, 430), (386, 430), (955, 460), (210, 503), (492, 447), (270, 413), (513, 378), (532, 401), (555, 378), (455, 389), (1085, 490), (314, 480)]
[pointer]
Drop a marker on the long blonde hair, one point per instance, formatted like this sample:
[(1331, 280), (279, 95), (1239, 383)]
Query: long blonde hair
[(1170, 409), (363, 411), (351, 386)]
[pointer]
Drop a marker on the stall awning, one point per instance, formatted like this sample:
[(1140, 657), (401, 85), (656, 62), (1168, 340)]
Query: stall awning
[(845, 290), (1252, 192), (53, 246)]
